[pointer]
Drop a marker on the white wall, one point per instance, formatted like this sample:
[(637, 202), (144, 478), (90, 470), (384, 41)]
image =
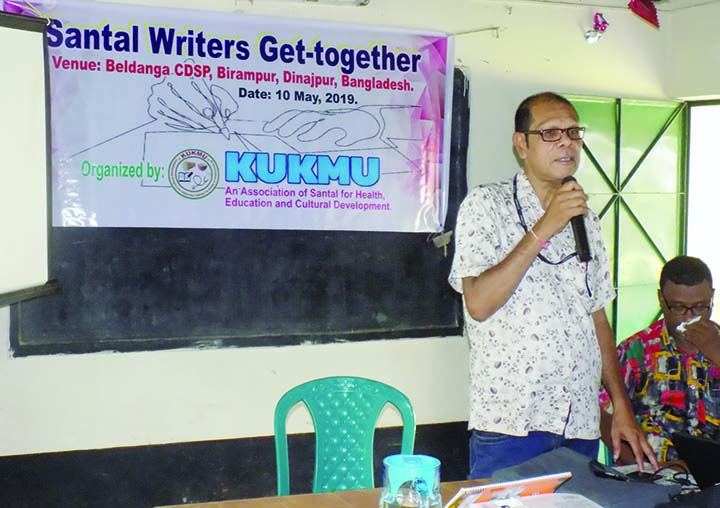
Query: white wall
[(111, 399), (543, 48), (693, 47), (103, 400)]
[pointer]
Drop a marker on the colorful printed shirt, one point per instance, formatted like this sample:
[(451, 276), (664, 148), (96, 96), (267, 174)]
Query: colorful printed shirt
[(535, 363), (669, 389)]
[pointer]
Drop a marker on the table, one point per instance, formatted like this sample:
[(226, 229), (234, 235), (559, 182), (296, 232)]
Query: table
[(346, 499)]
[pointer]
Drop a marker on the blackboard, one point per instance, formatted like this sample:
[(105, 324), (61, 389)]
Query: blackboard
[(138, 289)]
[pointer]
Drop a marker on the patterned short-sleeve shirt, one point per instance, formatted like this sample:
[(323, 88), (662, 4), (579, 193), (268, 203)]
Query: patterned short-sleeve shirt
[(670, 390), (535, 363)]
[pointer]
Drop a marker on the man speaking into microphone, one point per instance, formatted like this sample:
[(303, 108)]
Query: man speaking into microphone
[(532, 267)]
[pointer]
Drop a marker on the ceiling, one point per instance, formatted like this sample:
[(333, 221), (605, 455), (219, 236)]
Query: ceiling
[(661, 5)]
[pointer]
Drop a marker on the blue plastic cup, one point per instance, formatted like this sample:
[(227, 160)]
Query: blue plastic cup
[(411, 481)]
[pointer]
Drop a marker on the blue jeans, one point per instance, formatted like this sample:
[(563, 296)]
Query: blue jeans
[(490, 451)]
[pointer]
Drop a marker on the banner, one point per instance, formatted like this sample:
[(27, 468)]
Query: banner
[(176, 118)]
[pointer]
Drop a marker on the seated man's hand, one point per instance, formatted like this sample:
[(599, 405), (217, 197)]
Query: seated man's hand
[(626, 430), (706, 337)]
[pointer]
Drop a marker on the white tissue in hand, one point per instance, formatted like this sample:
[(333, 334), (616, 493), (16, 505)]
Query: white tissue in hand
[(681, 327)]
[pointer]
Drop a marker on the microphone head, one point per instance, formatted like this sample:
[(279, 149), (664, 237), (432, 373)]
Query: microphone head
[(568, 179)]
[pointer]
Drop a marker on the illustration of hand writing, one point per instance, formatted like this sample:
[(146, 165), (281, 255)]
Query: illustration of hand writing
[(341, 127), (192, 105)]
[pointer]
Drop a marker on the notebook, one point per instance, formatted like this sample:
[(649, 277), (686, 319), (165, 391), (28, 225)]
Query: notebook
[(478, 494), (702, 457)]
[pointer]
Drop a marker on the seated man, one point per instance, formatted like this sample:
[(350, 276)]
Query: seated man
[(671, 369)]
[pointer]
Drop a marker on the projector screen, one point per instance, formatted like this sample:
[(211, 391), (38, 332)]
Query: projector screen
[(24, 160)]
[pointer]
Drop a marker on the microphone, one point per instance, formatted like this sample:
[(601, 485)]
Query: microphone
[(582, 247)]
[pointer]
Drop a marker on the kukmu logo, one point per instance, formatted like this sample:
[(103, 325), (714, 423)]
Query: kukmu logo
[(194, 174)]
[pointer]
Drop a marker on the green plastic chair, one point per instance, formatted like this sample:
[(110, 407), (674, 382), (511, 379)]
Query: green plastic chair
[(344, 412)]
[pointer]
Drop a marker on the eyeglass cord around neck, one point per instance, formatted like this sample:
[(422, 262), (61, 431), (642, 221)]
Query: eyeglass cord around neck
[(542, 258)]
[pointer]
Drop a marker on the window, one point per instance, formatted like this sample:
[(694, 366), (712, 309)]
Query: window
[(633, 168), (703, 184)]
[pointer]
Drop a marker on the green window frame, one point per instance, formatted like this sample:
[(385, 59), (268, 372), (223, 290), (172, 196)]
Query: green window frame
[(634, 170)]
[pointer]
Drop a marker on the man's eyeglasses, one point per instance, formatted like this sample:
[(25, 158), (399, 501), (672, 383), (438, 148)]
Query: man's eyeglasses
[(552, 135), (681, 310)]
